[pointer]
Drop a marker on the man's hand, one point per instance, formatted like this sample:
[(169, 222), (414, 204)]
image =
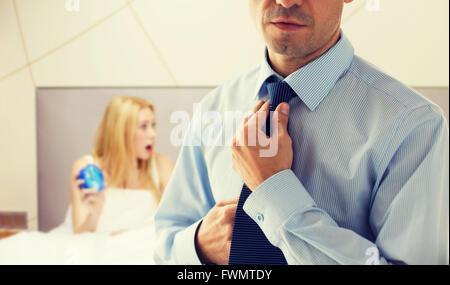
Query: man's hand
[(213, 239), (247, 160)]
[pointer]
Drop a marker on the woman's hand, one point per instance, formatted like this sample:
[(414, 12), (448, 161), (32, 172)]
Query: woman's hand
[(91, 199), (87, 204)]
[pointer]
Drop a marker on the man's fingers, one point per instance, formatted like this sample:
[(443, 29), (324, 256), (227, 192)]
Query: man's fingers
[(232, 208), (228, 202), (249, 120), (258, 106), (282, 112), (230, 211), (229, 208), (255, 109), (264, 108), (260, 116)]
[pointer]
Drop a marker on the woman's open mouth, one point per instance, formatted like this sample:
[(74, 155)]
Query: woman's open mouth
[(149, 148)]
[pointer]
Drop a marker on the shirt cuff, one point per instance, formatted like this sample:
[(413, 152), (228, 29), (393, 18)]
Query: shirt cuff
[(275, 200), (184, 246)]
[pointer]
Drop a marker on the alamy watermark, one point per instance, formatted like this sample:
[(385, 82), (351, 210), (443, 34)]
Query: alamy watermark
[(212, 128), (72, 5), (72, 256), (373, 256), (373, 5)]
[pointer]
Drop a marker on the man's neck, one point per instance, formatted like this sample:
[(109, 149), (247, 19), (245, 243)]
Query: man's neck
[(284, 65)]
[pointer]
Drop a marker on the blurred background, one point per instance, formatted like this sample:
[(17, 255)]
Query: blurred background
[(176, 43)]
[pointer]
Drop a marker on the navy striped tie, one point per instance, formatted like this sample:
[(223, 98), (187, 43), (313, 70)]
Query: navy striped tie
[(249, 245)]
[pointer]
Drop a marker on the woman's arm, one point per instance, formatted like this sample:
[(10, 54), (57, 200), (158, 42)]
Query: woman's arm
[(87, 204), (165, 168)]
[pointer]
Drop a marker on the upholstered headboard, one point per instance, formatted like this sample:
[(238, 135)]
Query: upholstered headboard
[(68, 117)]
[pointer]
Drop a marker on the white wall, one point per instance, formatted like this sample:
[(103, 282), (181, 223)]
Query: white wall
[(172, 43)]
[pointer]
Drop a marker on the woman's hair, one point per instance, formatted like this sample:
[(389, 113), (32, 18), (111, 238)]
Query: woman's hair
[(114, 143)]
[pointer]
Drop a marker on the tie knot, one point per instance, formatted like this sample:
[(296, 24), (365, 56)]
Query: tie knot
[(279, 92)]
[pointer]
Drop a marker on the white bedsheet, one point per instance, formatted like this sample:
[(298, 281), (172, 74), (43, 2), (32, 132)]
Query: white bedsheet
[(132, 247), (131, 210)]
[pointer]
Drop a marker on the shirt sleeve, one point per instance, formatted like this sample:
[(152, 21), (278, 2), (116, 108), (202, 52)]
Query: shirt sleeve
[(186, 200), (408, 211)]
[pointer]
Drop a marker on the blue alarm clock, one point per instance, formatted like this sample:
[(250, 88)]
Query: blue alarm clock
[(93, 178)]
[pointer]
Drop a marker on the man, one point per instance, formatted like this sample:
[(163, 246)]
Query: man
[(360, 171)]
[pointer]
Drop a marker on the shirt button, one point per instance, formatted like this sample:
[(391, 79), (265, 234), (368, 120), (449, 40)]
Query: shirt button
[(260, 217)]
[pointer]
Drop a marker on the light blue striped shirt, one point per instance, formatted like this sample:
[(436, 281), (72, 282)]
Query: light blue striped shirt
[(369, 179)]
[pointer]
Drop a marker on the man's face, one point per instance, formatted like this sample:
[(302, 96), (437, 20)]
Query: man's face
[(297, 28)]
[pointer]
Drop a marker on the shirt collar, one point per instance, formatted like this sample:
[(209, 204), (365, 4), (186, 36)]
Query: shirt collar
[(314, 81)]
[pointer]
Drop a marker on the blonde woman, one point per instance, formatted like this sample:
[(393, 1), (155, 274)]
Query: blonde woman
[(135, 175)]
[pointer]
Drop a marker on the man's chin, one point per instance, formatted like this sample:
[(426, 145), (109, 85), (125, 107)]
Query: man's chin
[(289, 49), (283, 44)]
